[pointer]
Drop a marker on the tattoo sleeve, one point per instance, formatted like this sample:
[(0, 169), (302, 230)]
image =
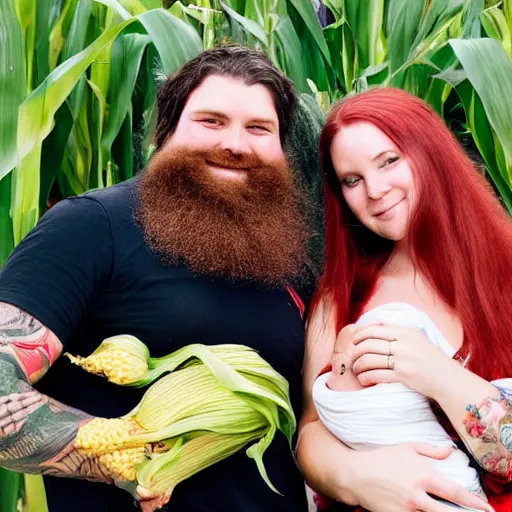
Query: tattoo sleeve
[(488, 428), (36, 432)]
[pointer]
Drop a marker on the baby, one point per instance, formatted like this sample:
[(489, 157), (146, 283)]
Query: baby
[(387, 414)]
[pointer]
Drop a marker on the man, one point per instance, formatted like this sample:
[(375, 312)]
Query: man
[(203, 247)]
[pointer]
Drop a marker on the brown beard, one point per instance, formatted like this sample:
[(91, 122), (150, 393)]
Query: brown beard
[(245, 230)]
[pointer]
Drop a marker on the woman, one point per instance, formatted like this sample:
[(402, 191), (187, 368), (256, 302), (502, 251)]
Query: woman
[(409, 220)]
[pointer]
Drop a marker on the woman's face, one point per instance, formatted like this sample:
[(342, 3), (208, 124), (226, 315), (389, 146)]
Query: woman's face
[(376, 180)]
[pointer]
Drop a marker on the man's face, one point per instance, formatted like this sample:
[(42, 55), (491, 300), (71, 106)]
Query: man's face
[(219, 197), (224, 113)]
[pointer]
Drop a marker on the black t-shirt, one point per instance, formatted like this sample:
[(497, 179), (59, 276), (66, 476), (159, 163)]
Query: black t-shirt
[(86, 273)]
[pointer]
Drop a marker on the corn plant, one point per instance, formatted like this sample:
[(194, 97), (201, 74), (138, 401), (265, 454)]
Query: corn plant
[(437, 50), (78, 81)]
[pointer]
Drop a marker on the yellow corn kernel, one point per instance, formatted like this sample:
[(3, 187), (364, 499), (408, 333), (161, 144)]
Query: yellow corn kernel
[(109, 442), (121, 463), (102, 435), (117, 365)]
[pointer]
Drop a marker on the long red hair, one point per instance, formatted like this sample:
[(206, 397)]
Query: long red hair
[(460, 238)]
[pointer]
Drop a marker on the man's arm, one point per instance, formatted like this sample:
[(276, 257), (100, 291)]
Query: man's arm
[(36, 432)]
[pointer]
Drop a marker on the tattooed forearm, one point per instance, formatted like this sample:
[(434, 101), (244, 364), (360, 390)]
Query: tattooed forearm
[(489, 433), (15, 409), (34, 347), (37, 433)]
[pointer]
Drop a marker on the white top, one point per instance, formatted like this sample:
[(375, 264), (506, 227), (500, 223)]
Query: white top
[(387, 414)]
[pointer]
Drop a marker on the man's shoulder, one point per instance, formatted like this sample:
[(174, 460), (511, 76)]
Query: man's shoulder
[(115, 195), (98, 211), (113, 204)]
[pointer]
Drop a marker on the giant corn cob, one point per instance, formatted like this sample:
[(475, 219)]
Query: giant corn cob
[(206, 404)]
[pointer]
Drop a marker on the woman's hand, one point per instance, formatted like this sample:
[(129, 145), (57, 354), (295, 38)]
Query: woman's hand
[(400, 478), (395, 353)]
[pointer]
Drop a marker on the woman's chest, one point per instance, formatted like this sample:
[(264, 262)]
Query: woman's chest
[(415, 291)]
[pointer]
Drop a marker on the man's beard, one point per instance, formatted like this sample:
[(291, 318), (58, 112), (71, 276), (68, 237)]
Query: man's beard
[(250, 230)]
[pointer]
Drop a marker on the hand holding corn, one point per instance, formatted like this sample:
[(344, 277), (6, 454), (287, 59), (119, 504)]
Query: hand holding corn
[(206, 404)]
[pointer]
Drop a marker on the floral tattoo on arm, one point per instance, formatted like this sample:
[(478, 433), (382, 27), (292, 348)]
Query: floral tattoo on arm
[(489, 429)]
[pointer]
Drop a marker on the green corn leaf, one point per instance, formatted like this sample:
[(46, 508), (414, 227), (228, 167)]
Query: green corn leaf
[(10, 484), (12, 83), (77, 162), (373, 75), (256, 452), (260, 11), (485, 139), (46, 10), (307, 13), (121, 165), (490, 72), (76, 44), (34, 498), (335, 6), (403, 19), (176, 41), (507, 9), (97, 115), (117, 7), (35, 116), (418, 78), (496, 26), (482, 132), (289, 46), (25, 200), (333, 37), (248, 25), (52, 154), (6, 234), (431, 34), (196, 452), (365, 20), (316, 68), (184, 13), (438, 18), (222, 371), (152, 4), (26, 11), (60, 31), (134, 7), (471, 25)]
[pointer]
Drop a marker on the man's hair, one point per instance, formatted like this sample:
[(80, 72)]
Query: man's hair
[(251, 66)]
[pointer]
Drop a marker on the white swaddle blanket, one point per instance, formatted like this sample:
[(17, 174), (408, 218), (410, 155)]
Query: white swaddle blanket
[(387, 414)]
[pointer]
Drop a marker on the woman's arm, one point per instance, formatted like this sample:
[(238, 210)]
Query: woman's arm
[(319, 453), (482, 415), (389, 479), (326, 463), (480, 412)]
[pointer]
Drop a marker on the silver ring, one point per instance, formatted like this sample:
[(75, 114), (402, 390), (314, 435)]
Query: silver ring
[(391, 363)]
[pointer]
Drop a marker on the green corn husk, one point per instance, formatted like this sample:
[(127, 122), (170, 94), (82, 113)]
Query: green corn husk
[(205, 404)]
